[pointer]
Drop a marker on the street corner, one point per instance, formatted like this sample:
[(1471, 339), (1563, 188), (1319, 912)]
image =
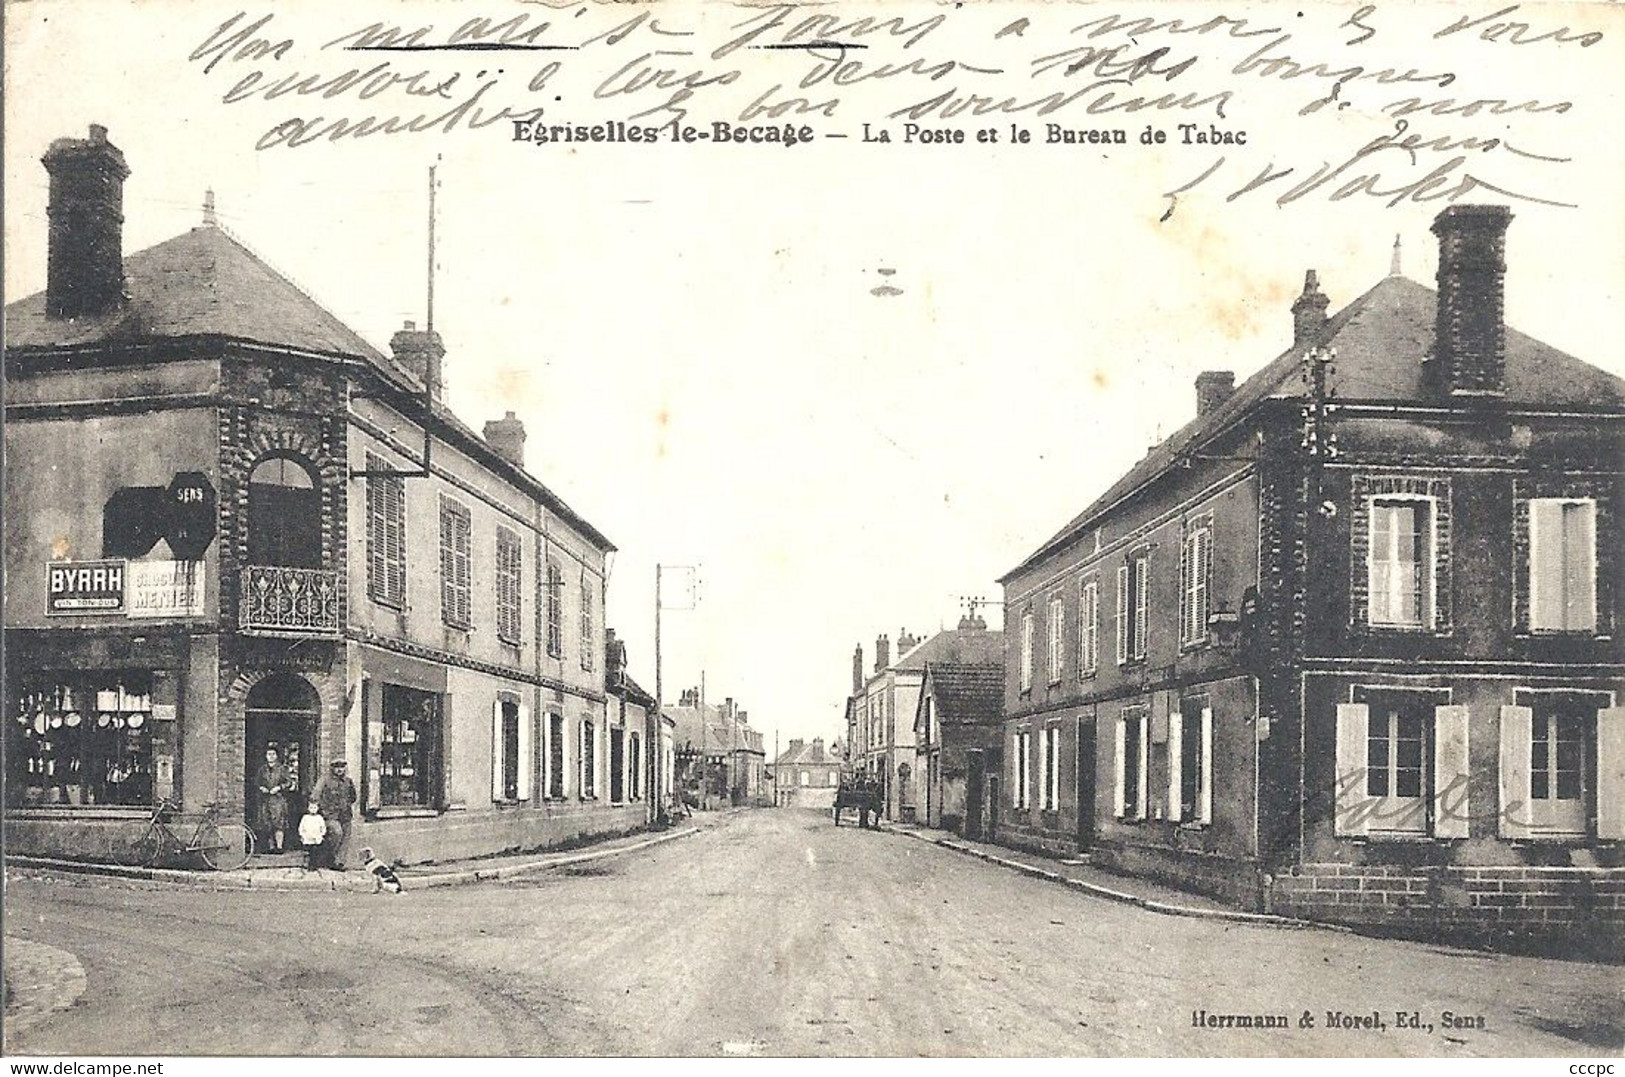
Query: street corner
[(39, 980)]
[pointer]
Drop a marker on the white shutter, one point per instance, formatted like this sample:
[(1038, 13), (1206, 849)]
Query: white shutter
[(1119, 761), (1451, 768), (1187, 571), (1145, 764), (1122, 614), (1203, 568), (1207, 765), (1580, 564), (496, 750), (1142, 595), (1611, 773), (1353, 726), (1514, 808), (526, 756), (1176, 763), (1546, 563)]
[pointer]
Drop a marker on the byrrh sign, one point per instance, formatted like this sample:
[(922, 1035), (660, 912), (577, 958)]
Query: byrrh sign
[(84, 587)]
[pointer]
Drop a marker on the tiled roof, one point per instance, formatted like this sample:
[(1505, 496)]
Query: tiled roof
[(955, 645), (967, 693), (200, 283), (1383, 340), (207, 283), (808, 753)]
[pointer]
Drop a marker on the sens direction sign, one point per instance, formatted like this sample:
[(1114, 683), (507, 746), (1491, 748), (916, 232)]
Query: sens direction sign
[(81, 588)]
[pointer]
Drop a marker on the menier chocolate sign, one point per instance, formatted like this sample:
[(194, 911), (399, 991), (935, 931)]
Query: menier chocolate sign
[(81, 588)]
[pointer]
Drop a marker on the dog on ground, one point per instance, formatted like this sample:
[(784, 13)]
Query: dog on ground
[(383, 876)]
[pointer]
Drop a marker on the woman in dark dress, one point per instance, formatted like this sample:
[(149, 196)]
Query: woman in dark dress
[(274, 785)]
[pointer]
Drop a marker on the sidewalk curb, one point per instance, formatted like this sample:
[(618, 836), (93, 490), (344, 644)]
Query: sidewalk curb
[(349, 881), (1122, 898)]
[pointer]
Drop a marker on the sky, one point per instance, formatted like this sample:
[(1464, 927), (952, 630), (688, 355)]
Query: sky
[(693, 339)]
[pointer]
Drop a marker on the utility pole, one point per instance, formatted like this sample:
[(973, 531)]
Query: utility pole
[(705, 760)]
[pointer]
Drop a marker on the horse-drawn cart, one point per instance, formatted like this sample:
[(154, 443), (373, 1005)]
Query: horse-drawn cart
[(860, 794)]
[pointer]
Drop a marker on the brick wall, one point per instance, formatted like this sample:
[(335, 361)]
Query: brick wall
[(1584, 905)]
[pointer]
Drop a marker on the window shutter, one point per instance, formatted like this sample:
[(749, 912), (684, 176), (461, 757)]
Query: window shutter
[(1203, 568), (1141, 795), (1119, 760), (1450, 772), (564, 756), (1187, 572), (496, 750), (1353, 725), (1142, 590), (1611, 773), (1545, 563), (527, 761), (1516, 723), (1122, 614), (1176, 762), (1580, 564), (1206, 788)]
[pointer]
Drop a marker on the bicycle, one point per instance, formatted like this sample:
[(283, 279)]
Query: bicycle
[(223, 846)]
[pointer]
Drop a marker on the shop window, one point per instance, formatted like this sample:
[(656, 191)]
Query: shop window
[(284, 515), (409, 754), (81, 740)]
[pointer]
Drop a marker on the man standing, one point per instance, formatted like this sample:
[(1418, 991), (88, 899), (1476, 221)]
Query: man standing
[(336, 798)]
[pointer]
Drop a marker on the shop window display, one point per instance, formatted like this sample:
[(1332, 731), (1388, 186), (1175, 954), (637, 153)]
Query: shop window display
[(81, 741)]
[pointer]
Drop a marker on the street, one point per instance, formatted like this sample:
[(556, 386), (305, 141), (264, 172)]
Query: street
[(769, 933)]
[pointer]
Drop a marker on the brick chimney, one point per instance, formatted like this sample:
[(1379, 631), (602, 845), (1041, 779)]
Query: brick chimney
[(85, 262), (857, 669), (420, 352), (1469, 335), (507, 436), (882, 653), (1309, 312), (905, 642), (1213, 387)]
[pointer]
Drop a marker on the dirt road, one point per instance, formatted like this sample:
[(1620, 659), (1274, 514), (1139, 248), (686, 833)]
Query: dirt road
[(771, 933)]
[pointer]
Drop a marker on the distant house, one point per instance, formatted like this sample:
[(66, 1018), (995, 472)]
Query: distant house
[(880, 711), (807, 774), (958, 734), (725, 760), (1348, 644)]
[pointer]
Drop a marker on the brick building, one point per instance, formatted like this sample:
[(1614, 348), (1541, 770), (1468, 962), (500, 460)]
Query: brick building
[(1347, 645), (276, 536)]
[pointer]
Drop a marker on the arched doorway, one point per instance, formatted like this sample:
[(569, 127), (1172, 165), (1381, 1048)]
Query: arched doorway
[(281, 713)]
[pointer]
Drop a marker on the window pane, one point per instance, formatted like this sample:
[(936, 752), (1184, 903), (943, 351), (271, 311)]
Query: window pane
[(1377, 751)]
